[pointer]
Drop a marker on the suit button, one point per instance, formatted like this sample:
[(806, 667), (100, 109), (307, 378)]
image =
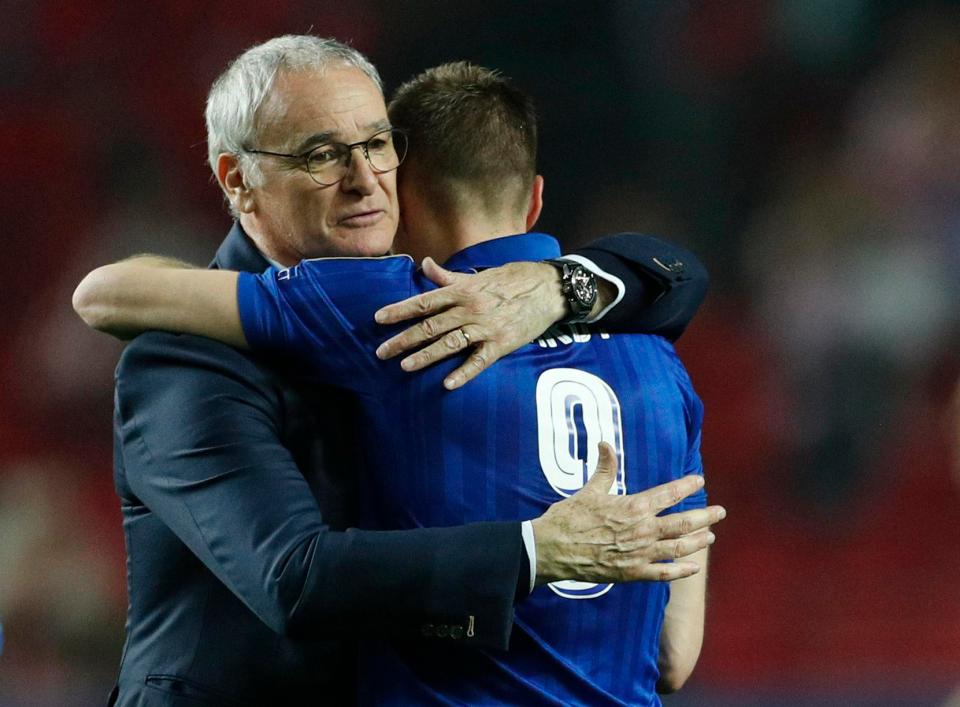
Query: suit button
[(456, 632), (443, 630), (427, 630)]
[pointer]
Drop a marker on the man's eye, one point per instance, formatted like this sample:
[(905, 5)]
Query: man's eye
[(323, 156), (378, 144)]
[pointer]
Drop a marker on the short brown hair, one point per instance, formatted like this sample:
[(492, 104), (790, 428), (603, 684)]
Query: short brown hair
[(470, 131)]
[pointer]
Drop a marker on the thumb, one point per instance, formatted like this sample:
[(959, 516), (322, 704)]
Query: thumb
[(439, 275), (606, 472)]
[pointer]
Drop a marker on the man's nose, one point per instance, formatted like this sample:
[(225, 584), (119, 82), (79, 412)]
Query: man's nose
[(360, 176)]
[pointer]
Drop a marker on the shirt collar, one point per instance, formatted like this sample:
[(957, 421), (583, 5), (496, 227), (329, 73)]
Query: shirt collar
[(508, 249)]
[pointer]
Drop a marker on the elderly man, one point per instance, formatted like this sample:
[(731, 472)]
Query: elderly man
[(231, 475)]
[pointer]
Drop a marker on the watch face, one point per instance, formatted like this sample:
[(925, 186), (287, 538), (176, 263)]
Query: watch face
[(584, 286)]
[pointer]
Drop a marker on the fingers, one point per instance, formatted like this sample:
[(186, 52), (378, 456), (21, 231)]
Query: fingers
[(428, 303), (665, 571), (483, 356), (423, 332), (606, 472), (607, 461), (663, 562), (676, 548), (677, 524), (450, 343), (439, 275), (417, 306), (670, 494)]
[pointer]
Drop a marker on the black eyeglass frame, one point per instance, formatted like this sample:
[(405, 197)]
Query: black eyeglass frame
[(348, 150)]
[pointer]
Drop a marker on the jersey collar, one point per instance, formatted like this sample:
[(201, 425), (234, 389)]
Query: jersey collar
[(508, 249)]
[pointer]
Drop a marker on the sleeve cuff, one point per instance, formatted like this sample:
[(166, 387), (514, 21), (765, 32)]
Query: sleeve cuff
[(599, 272), (530, 545), (252, 319), (259, 304)]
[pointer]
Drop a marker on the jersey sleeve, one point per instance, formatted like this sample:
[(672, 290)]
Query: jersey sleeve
[(319, 314), (693, 464)]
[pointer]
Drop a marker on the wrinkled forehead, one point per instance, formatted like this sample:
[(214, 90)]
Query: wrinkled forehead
[(339, 104)]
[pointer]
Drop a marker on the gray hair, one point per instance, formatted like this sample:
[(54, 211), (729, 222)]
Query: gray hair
[(235, 98)]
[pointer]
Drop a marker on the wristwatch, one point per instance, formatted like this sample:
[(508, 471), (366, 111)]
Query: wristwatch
[(579, 286)]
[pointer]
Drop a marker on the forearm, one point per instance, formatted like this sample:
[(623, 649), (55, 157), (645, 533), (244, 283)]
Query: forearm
[(151, 292), (460, 576)]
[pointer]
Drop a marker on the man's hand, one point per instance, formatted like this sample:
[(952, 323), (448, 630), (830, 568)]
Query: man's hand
[(495, 312), (596, 537)]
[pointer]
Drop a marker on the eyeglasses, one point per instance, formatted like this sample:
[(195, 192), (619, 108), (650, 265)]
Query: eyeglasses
[(328, 164)]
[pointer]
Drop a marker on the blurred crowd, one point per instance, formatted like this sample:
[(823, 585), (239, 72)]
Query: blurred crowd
[(808, 152)]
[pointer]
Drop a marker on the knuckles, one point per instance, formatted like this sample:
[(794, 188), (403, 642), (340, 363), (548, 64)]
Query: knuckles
[(423, 306), (452, 341), (429, 328), (478, 360)]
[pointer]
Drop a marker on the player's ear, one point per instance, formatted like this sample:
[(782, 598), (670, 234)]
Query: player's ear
[(536, 201), (232, 181)]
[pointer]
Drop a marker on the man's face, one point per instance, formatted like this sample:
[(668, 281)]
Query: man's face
[(297, 217)]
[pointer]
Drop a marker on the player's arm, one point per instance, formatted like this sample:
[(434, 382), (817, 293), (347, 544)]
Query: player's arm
[(645, 285), (682, 634), (151, 292)]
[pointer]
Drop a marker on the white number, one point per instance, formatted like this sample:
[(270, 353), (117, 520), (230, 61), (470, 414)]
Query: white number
[(576, 411)]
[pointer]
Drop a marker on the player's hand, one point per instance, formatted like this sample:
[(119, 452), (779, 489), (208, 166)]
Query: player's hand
[(596, 537), (490, 314)]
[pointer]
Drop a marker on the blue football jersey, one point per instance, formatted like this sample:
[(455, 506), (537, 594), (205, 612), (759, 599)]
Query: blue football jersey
[(520, 437)]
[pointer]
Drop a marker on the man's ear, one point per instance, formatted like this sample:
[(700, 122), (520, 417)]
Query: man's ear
[(230, 176), (536, 201)]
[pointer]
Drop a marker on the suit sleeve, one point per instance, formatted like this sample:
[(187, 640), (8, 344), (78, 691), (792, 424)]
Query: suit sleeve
[(200, 443), (664, 284)]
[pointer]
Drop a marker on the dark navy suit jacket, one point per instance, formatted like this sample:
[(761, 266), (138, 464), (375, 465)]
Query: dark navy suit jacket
[(237, 485)]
